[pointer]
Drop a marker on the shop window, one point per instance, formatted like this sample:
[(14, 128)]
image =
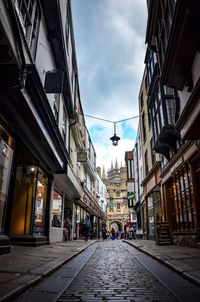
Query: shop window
[(40, 201), (151, 216), (57, 210), (5, 166), (29, 201), (180, 191)]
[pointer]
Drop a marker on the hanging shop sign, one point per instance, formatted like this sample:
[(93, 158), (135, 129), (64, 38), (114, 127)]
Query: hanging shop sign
[(82, 156), (130, 186)]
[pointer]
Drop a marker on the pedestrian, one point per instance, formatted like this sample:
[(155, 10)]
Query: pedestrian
[(108, 235), (67, 229), (113, 233), (55, 221), (104, 232), (87, 228)]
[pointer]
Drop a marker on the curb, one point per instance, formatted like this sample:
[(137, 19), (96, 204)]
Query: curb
[(167, 264), (22, 288)]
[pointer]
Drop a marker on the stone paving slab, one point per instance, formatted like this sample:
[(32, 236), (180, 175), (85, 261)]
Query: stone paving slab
[(113, 273), (183, 260), (25, 266)]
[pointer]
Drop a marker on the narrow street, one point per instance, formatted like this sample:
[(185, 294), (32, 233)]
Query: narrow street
[(112, 271)]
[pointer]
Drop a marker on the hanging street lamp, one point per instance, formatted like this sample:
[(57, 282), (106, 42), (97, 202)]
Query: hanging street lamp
[(115, 138)]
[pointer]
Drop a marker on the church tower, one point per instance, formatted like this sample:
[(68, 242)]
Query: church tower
[(117, 204)]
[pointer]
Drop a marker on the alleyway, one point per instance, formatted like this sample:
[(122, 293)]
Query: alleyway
[(112, 271)]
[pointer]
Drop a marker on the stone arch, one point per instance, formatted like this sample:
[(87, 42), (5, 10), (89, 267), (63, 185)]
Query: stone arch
[(115, 222)]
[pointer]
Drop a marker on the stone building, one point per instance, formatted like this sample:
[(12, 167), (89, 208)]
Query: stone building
[(117, 203), (173, 90)]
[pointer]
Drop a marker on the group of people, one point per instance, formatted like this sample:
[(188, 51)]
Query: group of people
[(111, 234), (87, 230), (67, 226)]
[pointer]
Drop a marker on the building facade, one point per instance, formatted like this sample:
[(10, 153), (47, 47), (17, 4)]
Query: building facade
[(117, 203), (173, 102), (42, 127), (152, 204)]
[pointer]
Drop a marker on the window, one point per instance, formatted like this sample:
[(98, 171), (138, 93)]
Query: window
[(142, 100), (29, 16), (56, 210), (144, 127), (146, 162), (40, 203), (118, 193), (30, 196), (153, 155), (6, 153), (171, 110), (118, 206), (56, 106), (151, 66), (157, 114), (64, 125), (180, 193), (67, 25)]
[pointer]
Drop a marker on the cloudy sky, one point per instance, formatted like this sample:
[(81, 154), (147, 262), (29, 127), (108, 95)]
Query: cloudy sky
[(110, 48)]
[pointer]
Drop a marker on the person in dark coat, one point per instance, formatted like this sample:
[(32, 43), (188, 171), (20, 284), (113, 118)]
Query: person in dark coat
[(87, 228)]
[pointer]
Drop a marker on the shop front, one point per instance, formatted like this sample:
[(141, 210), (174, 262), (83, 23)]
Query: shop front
[(154, 211), (80, 213), (152, 205), (84, 207), (28, 222), (182, 195)]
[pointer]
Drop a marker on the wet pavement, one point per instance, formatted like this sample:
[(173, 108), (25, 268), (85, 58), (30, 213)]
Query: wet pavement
[(114, 274), (183, 260), (26, 266)]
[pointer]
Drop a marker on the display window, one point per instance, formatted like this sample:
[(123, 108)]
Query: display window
[(180, 194), (57, 210), (29, 201), (151, 215), (6, 154), (40, 202)]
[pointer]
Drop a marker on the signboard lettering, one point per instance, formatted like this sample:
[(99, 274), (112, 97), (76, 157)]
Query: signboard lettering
[(163, 235)]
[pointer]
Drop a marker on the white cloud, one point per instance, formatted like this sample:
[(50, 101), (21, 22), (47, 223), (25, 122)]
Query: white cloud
[(109, 153), (110, 46)]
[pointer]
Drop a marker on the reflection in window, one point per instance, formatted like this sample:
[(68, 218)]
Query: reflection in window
[(181, 199), (57, 209), (5, 166), (40, 202), (29, 201)]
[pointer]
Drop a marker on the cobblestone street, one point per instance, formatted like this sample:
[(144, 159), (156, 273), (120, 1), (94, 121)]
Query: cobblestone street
[(114, 274)]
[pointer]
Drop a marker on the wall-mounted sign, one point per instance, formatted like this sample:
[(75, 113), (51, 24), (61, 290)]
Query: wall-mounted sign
[(82, 156), (130, 186)]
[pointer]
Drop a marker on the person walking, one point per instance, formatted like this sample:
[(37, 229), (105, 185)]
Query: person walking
[(113, 233), (104, 232), (87, 228)]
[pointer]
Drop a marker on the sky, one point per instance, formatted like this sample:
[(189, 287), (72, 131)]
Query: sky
[(110, 50)]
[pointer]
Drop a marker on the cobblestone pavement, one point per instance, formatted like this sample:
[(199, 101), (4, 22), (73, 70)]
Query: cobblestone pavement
[(113, 274)]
